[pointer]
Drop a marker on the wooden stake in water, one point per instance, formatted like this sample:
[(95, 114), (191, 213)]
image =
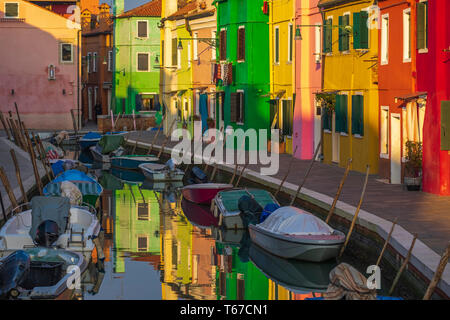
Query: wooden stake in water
[(405, 263), (240, 175), (18, 175), (42, 157), (438, 274), (33, 162), (356, 213), (41, 147), (386, 242), (8, 188), (156, 135), (288, 171), (216, 163), (307, 173), (169, 133), (7, 129), (338, 193)]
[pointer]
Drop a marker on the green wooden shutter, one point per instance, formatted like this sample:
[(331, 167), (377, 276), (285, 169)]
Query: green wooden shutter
[(364, 30), (421, 25), (346, 36), (358, 114), (341, 35), (326, 119), (344, 112), (356, 30), (327, 36), (445, 125), (234, 96)]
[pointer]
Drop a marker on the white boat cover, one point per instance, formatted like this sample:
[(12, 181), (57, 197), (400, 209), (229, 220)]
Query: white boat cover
[(294, 221), (71, 191)]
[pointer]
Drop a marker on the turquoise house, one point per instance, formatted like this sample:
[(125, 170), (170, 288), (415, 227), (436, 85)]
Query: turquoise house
[(136, 48)]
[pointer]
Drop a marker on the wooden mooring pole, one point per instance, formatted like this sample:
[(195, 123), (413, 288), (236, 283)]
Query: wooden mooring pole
[(169, 133), (287, 173), (33, 162), (156, 135), (240, 175), (386, 242), (438, 274), (404, 264), (42, 157), (307, 173), (8, 188), (42, 150), (18, 175), (356, 212), (338, 193), (7, 129)]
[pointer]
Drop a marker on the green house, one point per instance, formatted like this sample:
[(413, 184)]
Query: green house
[(136, 48), (243, 51)]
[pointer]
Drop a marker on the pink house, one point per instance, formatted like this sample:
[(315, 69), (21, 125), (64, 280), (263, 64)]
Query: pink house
[(39, 65), (308, 77)]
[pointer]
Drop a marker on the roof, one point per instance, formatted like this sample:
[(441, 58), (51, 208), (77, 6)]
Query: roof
[(149, 9), (183, 11), (331, 3)]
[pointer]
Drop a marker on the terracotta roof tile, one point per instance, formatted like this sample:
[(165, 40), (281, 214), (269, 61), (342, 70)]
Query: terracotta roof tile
[(184, 10), (150, 9)]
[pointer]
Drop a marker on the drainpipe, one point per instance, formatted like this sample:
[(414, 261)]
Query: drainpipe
[(78, 78)]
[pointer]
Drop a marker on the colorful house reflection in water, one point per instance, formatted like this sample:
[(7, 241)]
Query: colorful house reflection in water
[(137, 225)]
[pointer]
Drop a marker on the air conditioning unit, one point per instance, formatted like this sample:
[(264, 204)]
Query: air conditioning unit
[(51, 72)]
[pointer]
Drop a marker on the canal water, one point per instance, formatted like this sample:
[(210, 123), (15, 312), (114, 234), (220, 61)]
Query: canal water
[(158, 246)]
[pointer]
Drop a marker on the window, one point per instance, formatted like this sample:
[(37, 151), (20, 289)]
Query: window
[(142, 243), (143, 213), (11, 10), (174, 52), (110, 57), (358, 114), (142, 29), (241, 44), (94, 62), (384, 131), (341, 113), (89, 58), (287, 117), (344, 35), (384, 39), (422, 26), (195, 46), (407, 35), (445, 125), (66, 53), (328, 36), (223, 45), (213, 49), (143, 62), (290, 38), (237, 107), (327, 118), (360, 30), (145, 102), (317, 44), (277, 45)]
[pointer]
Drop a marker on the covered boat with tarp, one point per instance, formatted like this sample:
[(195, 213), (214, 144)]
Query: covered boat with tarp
[(88, 186), (293, 233), (232, 205), (89, 139), (51, 222), (108, 146), (38, 273)]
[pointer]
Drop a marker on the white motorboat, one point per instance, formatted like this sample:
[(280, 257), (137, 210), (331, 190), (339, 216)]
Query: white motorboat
[(161, 172)]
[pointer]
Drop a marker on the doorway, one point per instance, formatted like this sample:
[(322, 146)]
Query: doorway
[(396, 155)]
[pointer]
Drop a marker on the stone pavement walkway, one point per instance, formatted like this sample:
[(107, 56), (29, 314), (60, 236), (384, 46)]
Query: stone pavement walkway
[(426, 214)]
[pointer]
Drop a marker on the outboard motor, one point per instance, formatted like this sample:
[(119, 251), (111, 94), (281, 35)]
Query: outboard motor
[(198, 175), (14, 270), (47, 233), (250, 210)]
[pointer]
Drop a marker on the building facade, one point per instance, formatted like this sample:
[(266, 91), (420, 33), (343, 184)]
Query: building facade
[(97, 63), (44, 81), (433, 68), (136, 51), (350, 85)]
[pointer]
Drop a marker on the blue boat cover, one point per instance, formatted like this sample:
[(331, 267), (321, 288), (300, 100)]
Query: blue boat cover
[(77, 177), (91, 135), (268, 209), (204, 111), (58, 167)]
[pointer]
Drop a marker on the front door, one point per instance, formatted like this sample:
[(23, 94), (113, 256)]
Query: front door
[(396, 155)]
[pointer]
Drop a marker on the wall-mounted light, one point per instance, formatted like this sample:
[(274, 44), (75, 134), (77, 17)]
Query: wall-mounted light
[(51, 72), (298, 34), (157, 59), (64, 92), (12, 92), (180, 45)]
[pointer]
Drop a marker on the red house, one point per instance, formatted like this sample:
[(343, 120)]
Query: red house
[(401, 111), (433, 68)]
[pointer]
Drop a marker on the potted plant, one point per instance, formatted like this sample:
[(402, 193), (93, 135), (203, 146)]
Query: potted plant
[(413, 166)]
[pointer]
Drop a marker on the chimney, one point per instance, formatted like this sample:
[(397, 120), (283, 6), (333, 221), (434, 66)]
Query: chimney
[(118, 7)]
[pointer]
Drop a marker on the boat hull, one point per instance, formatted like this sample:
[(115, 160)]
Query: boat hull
[(131, 163), (161, 175), (105, 158), (296, 248), (198, 215), (203, 193), (86, 144)]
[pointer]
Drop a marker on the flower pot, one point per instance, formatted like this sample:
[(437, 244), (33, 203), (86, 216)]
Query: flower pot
[(412, 183)]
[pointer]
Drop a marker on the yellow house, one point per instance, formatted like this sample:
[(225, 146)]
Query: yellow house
[(350, 84), (282, 66)]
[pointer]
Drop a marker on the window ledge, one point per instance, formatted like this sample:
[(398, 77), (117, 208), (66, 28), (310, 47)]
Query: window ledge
[(423, 50), (384, 155), (407, 60), (358, 136), (343, 134), (326, 131), (383, 63), (240, 61)]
